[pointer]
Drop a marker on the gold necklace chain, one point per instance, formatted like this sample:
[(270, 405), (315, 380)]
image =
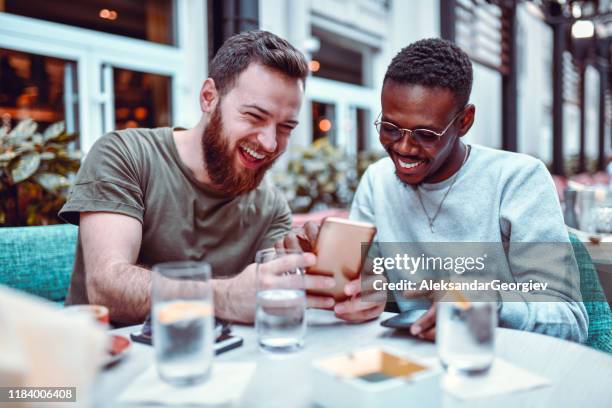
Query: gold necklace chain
[(430, 219)]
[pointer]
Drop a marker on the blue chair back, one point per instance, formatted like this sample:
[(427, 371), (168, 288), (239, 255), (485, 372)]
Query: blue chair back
[(38, 260)]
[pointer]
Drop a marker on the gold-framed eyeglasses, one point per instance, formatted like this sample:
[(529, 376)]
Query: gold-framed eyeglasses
[(423, 137)]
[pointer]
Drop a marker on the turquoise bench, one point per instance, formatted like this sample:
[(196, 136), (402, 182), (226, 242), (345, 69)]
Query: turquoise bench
[(38, 260)]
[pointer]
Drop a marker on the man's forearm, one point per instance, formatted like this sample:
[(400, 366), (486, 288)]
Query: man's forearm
[(223, 307), (125, 289), (233, 302)]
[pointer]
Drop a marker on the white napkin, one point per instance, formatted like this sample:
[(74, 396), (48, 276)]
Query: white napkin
[(502, 378), (42, 347), (225, 386)]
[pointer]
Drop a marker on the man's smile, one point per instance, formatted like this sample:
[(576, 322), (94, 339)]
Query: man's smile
[(408, 164), (251, 158)]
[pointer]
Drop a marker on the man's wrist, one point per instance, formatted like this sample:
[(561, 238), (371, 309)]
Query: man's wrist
[(221, 291)]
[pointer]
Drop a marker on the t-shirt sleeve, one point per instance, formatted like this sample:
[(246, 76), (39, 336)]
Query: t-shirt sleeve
[(108, 181), (281, 222)]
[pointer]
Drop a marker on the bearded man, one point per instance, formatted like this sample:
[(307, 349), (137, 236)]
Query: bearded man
[(145, 196)]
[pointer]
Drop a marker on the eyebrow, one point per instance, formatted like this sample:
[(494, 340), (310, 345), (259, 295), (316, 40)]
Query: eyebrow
[(267, 113), (425, 127)]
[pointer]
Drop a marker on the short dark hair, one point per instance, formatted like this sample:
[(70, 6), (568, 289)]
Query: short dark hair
[(263, 47), (433, 62)]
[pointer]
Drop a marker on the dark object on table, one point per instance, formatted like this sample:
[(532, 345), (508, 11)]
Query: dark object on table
[(403, 321), (224, 339)]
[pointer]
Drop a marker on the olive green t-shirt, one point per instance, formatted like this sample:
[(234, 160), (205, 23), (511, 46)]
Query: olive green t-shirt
[(138, 173)]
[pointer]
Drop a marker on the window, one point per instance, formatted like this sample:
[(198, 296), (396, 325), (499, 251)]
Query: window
[(324, 121), (363, 124), (141, 99), (337, 60), (38, 87), (122, 82), (149, 20)]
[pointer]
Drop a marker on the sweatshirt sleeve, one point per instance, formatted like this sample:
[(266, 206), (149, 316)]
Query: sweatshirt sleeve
[(539, 249)]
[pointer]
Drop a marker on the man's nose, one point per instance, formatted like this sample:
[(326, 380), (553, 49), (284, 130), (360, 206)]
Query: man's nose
[(267, 139), (406, 145)]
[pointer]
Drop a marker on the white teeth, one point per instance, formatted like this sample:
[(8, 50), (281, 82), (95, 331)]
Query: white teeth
[(252, 152), (406, 165)]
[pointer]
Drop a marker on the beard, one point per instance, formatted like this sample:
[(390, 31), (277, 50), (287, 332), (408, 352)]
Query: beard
[(219, 159)]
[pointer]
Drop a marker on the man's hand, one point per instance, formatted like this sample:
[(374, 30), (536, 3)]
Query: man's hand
[(359, 307), (362, 305), (237, 296), (303, 238), (425, 327)]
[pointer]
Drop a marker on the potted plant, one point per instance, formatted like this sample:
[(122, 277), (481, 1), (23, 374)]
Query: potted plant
[(35, 172), (321, 176)]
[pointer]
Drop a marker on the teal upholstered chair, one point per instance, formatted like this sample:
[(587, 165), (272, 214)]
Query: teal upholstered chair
[(38, 260), (600, 317)]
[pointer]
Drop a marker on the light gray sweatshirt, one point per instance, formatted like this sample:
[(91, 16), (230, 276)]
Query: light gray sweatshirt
[(498, 196)]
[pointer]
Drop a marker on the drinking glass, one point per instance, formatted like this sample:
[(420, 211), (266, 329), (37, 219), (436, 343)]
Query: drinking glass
[(465, 336), (281, 301), (183, 321)]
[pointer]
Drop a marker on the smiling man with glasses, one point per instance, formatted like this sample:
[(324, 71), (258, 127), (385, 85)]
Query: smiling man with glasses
[(434, 188)]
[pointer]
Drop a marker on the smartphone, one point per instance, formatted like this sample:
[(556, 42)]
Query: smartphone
[(340, 253), (403, 321)]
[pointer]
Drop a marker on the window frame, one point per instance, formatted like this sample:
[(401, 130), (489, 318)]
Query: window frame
[(91, 50)]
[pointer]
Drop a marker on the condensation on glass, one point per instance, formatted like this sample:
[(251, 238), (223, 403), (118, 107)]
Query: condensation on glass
[(149, 20), (38, 87)]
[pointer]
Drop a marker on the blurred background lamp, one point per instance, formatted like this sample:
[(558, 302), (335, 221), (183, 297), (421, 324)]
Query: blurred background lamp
[(583, 29), (325, 125), (314, 65), (108, 14)]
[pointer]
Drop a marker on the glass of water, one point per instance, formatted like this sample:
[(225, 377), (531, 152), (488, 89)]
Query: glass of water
[(465, 336), (183, 321), (281, 300)]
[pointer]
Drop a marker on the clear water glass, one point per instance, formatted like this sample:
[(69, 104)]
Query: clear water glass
[(465, 336), (280, 319), (183, 321)]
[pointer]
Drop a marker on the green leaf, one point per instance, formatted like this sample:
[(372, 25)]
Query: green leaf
[(52, 182), (47, 156), (7, 156), (37, 139), (22, 131), (24, 167), (63, 138), (24, 147), (54, 130)]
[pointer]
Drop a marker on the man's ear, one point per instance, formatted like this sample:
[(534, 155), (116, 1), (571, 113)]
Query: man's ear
[(209, 96), (467, 119)]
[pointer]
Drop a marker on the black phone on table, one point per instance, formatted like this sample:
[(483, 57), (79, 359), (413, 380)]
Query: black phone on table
[(224, 339), (403, 320)]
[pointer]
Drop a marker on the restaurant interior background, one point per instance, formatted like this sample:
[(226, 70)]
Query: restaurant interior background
[(541, 82)]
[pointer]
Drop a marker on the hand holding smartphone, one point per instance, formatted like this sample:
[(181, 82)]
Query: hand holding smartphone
[(340, 253)]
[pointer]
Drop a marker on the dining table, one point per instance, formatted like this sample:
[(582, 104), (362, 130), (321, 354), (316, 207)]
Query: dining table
[(579, 375)]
